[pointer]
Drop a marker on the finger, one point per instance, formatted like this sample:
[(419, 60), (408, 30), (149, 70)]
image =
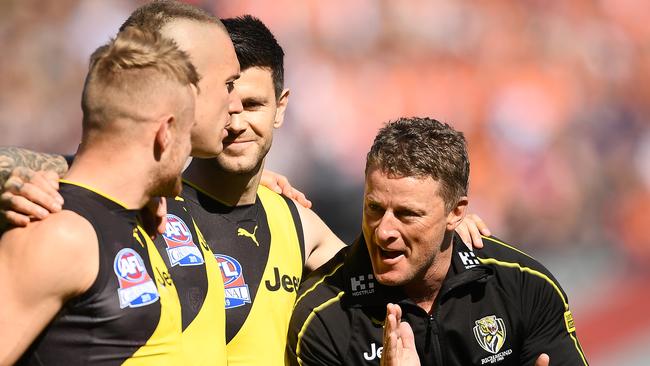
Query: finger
[(35, 194), (13, 184), (390, 338), (43, 182), (269, 180), (22, 206), (543, 360), (301, 199), (52, 178), (284, 184), (477, 240), (23, 173), (406, 335), (14, 218), (161, 215), (463, 233), (481, 225)]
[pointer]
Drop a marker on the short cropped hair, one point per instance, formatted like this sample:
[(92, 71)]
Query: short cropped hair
[(423, 147), (256, 46), (155, 15), (127, 70)]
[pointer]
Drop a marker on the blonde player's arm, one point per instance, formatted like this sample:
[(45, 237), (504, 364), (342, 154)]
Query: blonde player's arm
[(41, 267)]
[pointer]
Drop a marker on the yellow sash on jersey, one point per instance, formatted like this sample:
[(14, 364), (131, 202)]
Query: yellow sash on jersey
[(204, 340), (262, 338), (164, 347)]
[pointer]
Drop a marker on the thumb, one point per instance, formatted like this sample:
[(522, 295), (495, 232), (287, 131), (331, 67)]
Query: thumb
[(542, 360)]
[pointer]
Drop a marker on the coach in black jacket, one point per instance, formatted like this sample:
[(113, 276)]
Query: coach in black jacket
[(495, 306)]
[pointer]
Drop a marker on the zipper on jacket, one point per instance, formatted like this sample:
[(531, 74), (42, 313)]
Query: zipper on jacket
[(435, 340)]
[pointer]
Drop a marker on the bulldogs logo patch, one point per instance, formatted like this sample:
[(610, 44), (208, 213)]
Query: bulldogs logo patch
[(180, 247), (235, 286), (490, 333), (136, 286)]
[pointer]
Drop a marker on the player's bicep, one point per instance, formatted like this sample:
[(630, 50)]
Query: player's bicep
[(321, 244), (40, 267)]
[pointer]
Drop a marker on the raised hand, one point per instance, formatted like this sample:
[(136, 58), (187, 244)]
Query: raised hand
[(399, 342)]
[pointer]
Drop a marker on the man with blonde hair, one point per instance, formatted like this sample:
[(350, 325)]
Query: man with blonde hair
[(86, 286)]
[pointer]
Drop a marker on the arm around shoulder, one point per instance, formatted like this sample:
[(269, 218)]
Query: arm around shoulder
[(42, 266), (321, 244)]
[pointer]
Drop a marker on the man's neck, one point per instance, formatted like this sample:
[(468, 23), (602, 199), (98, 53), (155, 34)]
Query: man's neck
[(226, 187), (112, 174), (424, 290)]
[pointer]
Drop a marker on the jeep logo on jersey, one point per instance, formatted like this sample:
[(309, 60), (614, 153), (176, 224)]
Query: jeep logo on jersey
[(374, 352), (490, 333), (136, 287), (288, 283), (236, 289), (180, 247)]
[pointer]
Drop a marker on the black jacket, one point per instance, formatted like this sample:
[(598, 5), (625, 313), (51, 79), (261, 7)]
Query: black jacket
[(497, 306)]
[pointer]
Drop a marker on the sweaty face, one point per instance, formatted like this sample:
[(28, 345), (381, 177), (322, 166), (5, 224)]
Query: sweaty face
[(250, 133), (404, 224), (213, 55)]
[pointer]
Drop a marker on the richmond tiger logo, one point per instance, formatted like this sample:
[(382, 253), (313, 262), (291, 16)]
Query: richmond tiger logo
[(490, 333)]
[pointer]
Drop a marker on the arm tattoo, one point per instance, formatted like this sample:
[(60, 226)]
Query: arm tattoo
[(13, 157)]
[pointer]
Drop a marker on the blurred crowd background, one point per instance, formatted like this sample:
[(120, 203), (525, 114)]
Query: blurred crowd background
[(553, 97)]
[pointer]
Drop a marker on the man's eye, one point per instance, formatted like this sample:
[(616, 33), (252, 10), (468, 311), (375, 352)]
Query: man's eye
[(374, 207), (230, 86)]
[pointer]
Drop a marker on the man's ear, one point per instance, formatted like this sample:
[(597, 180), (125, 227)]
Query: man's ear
[(282, 106), (457, 214), (163, 138)]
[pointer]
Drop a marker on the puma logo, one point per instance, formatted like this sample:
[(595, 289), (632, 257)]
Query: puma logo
[(244, 232)]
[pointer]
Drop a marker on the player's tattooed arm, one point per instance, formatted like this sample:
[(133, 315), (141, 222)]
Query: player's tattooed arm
[(14, 157), (28, 185)]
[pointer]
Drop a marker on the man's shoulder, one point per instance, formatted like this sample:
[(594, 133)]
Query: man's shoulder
[(512, 264), (502, 251), (68, 229), (324, 284), (54, 247)]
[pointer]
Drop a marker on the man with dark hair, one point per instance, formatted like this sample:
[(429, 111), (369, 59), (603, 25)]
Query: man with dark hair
[(454, 306), (83, 283), (262, 240)]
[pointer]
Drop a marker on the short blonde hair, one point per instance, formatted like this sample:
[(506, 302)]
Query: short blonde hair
[(156, 14), (125, 73)]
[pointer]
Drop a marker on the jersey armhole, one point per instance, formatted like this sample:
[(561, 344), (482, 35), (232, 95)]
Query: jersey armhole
[(102, 277), (298, 224)]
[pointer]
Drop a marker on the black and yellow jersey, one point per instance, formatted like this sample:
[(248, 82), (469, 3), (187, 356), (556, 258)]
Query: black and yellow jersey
[(260, 250), (195, 272), (496, 306), (131, 313)]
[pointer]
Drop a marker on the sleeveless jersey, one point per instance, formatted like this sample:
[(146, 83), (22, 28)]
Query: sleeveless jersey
[(260, 249), (131, 313), (197, 277)]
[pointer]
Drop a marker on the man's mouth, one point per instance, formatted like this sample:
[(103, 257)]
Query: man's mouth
[(390, 256)]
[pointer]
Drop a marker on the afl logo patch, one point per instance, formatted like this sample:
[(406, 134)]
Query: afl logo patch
[(236, 289), (180, 247), (136, 286)]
